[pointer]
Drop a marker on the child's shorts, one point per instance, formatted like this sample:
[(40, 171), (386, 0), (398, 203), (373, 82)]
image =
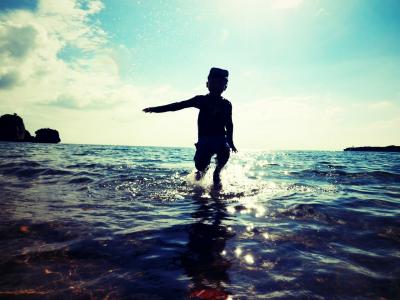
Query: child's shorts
[(207, 147)]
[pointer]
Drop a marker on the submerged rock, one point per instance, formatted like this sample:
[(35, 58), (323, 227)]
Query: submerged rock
[(47, 135), (12, 128)]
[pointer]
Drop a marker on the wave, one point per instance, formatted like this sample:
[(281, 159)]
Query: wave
[(82, 179), (30, 172), (368, 177), (20, 164)]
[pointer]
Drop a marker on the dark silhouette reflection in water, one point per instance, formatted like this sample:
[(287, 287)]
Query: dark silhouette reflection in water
[(204, 260)]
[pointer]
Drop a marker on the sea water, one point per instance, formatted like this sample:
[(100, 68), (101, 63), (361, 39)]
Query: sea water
[(115, 222)]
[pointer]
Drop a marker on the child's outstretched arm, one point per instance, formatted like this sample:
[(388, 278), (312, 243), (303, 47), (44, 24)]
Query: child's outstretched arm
[(173, 106)]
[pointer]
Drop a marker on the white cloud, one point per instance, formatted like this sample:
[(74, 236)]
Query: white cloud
[(33, 70), (95, 6)]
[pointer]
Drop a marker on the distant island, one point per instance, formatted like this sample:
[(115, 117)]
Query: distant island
[(12, 129), (391, 148)]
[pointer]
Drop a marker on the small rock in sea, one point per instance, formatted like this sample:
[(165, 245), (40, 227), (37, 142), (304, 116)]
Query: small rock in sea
[(47, 135)]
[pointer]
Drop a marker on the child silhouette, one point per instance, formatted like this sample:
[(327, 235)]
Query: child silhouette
[(215, 127)]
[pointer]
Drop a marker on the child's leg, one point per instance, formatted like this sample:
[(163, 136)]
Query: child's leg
[(202, 160), (222, 158)]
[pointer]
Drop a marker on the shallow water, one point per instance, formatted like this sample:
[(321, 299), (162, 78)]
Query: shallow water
[(113, 222)]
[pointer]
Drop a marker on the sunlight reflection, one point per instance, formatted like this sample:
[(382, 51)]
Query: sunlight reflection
[(267, 265), (250, 227), (245, 211), (248, 258), (266, 235), (238, 251), (271, 237), (231, 210), (260, 211)]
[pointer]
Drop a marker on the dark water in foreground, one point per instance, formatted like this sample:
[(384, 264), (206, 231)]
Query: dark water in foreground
[(107, 222)]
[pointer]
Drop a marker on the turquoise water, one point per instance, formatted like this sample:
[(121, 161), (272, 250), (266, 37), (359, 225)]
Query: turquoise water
[(113, 222)]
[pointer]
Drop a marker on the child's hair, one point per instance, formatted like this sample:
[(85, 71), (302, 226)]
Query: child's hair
[(219, 73)]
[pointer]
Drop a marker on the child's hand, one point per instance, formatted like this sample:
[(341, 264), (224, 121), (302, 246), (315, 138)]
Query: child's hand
[(148, 110), (232, 146)]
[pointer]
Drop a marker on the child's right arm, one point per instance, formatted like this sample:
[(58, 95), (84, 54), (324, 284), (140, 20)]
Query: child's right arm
[(173, 106)]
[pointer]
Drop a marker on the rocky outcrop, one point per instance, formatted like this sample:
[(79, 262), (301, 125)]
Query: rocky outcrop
[(391, 148), (47, 135), (28, 137), (12, 129)]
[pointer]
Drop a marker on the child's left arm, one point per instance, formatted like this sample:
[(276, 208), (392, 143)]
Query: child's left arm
[(229, 129)]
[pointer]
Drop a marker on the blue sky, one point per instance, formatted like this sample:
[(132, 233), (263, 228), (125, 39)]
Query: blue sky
[(303, 44), (304, 74)]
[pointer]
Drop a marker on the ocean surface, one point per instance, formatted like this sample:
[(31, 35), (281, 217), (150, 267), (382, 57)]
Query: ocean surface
[(114, 222)]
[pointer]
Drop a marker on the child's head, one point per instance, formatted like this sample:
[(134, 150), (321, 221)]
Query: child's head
[(217, 81)]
